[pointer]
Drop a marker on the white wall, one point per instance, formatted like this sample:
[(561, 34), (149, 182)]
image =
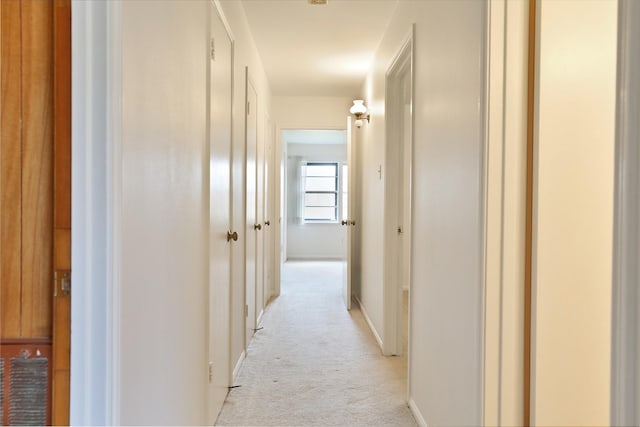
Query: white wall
[(446, 299), (312, 240), (573, 212), (311, 112), (245, 55), (164, 270), (140, 84)]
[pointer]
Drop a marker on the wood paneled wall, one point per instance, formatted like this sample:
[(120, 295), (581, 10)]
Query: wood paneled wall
[(26, 169)]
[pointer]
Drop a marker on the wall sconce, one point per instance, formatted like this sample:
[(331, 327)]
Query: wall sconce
[(359, 110)]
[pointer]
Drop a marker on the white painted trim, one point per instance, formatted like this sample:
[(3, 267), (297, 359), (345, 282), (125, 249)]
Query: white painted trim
[(96, 205), (392, 301), (369, 322), (505, 191), (259, 318), (279, 212), (625, 366), (417, 414), (114, 208), (220, 11), (493, 209), (236, 369)]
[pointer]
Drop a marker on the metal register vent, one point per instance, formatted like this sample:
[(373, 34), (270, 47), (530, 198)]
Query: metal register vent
[(318, 1), (2, 391), (25, 384), (28, 395)]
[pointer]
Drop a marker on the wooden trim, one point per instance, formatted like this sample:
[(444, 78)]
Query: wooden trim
[(529, 213), (62, 113), (60, 398), (24, 341)]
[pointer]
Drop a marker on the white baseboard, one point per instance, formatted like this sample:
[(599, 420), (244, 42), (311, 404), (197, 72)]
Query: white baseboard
[(236, 370), (259, 319), (417, 414), (366, 317)]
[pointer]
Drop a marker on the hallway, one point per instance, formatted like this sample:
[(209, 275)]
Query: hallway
[(314, 363)]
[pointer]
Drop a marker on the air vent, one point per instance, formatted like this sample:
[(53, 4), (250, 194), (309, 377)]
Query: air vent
[(28, 395), (25, 385), (316, 2), (1, 391)]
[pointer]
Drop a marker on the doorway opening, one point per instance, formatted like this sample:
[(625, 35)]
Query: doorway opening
[(314, 194), (397, 209)]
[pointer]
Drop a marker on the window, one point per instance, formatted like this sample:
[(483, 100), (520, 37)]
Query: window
[(321, 192), (345, 190)]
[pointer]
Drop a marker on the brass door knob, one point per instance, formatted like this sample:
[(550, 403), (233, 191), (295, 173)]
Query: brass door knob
[(257, 227), (232, 236), (345, 222), (267, 222)]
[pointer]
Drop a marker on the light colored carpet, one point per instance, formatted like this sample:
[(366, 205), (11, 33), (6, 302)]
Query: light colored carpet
[(314, 363)]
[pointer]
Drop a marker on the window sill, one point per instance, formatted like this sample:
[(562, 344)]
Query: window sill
[(320, 223)]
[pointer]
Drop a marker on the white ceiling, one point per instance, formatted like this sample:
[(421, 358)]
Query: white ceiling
[(322, 50)]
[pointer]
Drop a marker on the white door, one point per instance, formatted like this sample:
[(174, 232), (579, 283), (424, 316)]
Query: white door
[(252, 225), (220, 74), (348, 220), (260, 229), (268, 213)]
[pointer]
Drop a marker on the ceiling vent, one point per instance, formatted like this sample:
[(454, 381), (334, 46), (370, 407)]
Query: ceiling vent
[(318, 1)]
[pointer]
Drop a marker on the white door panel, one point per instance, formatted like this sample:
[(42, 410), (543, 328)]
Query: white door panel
[(219, 117), (252, 220), (350, 223)]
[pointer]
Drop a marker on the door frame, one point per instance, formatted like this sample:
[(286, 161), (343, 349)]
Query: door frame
[(394, 98), (96, 30), (505, 175), (61, 332), (625, 368)]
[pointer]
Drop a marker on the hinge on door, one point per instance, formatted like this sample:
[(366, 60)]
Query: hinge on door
[(210, 372), (61, 283), (212, 48), (248, 108), (246, 310)]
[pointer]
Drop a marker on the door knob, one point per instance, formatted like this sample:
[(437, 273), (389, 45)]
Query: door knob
[(345, 223), (231, 236), (257, 227), (353, 223), (267, 222)]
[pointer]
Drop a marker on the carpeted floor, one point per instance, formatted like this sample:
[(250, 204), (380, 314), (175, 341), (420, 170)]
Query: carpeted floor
[(314, 363)]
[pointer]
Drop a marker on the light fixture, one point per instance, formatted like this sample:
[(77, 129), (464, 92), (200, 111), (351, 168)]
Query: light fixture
[(359, 110)]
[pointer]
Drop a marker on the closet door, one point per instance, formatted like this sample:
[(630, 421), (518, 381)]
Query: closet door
[(252, 227), (221, 237)]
